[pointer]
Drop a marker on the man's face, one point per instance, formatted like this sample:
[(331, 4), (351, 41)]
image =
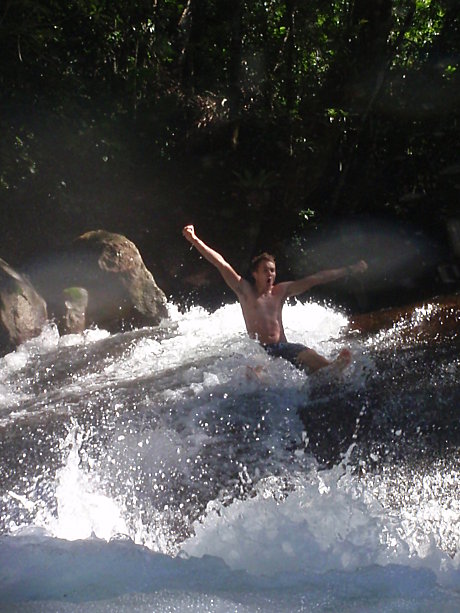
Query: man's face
[(265, 274)]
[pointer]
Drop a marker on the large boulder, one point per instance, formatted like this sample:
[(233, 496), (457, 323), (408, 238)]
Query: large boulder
[(23, 311), (121, 291)]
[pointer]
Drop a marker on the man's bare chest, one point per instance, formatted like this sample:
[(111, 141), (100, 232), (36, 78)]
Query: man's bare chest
[(267, 305)]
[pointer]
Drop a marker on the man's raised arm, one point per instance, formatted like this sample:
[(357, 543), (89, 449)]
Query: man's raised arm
[(231, 278), (294, 288)]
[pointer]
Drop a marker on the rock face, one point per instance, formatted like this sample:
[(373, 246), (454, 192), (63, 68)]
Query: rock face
[(121, 291), (427, 321), (23, 311)]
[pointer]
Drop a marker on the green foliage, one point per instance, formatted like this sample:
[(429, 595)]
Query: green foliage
[(262, 179), (426, 26), (355, 104)]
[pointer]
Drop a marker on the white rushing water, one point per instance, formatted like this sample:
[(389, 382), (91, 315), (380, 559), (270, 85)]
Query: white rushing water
[(152, 471)]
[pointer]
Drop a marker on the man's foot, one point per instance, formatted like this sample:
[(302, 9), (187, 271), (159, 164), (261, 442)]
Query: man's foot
[(342, 361), (333, 371)]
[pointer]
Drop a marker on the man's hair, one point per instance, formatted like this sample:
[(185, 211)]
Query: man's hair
[(263, 257)]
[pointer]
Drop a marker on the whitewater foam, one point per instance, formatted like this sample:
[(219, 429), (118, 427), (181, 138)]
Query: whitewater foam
[(169, 444)]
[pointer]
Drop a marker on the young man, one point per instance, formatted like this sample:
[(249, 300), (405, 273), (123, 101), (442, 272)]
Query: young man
[(262, 303)]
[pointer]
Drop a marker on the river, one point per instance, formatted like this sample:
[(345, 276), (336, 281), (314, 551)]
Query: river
[(152, 470)]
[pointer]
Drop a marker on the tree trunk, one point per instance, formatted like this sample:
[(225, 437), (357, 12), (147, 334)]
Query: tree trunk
[(191, 25), (235, 93), (289, 54)]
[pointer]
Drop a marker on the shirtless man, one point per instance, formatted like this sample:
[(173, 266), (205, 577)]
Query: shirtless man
[(262, 303)]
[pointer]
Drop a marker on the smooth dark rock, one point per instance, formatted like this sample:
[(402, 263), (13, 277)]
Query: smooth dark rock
[(407, 401)]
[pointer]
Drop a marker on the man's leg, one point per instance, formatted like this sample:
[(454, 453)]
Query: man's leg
[(313, 361)]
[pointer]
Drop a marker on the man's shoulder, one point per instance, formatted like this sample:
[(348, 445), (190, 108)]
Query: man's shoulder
[(244, 289)]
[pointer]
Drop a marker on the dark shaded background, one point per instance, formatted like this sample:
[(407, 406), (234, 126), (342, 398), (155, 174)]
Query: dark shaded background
[(323, 134)]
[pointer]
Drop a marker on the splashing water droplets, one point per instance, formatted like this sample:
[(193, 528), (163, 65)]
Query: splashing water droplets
[(162, 437)]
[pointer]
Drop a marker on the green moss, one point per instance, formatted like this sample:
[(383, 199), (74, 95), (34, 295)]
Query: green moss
[(75, 293)]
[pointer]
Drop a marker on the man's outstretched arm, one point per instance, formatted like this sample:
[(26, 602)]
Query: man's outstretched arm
[(294, 288), (230, 276)]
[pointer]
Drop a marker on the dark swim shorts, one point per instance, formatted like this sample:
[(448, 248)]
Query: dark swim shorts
[(288, 351)]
